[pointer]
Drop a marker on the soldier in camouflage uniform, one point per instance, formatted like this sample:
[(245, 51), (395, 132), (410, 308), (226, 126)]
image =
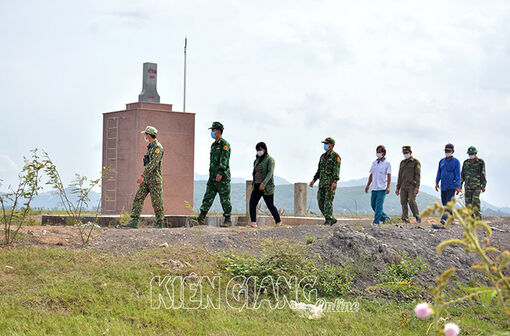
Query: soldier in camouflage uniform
[(219, 176), (474, 180), (328, 173), (408, 184), (151, 181)]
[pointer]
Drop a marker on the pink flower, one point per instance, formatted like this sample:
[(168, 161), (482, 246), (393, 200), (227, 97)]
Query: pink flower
[(423, 310), (451, 329)]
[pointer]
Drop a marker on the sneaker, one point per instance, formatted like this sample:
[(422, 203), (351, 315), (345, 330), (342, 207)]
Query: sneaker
[(133, 224), (227, 222), (418, 219), (438, 227), (443, 222)]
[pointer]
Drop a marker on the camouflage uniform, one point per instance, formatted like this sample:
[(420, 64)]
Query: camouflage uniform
[(152, 183), (219, 164), (474, 180), (409, 175), (327, 173)]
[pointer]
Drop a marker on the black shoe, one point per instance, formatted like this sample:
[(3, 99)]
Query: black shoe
[(133, 224), (405, 220), (418, 219), (201, 218), (333, 221), (443, 221), (438, 227), (227, 222)]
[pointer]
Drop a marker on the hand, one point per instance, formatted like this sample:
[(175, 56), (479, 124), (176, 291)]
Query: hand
[(261, 187), (483, 189), (333, 186), (140, 180), (218, 178), (387, 191), (397, 192), (366, 189), (437, 187), (457, 191), (311, 183), (416, 191)]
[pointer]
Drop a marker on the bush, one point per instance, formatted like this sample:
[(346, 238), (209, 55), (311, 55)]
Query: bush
[(403, 271)]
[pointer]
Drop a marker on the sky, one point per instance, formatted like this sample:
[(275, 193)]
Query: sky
[(289, 73)]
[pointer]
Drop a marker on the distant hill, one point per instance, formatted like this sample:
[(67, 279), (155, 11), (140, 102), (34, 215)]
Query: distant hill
[(350, 198)]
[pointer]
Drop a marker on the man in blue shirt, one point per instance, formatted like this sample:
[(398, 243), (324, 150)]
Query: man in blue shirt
[(448, 173)]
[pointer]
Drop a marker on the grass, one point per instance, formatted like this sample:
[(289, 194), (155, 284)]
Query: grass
[(84, 292)]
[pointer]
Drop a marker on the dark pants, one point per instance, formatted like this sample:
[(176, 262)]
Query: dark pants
[(377, 202), (408, 198), (255, 197), (446, 196)]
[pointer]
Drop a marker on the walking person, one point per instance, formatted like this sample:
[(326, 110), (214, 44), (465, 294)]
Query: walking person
[(474, 180), (328, 174), (448, 174), (380, 178), (219, 176), (150, 181), (263, 184), (408, 184)]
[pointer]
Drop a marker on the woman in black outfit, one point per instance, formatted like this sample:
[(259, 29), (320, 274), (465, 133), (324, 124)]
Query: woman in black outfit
[(263, 184)]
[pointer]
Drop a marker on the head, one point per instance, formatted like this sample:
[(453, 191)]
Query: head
[(380, 151), (329, 143), (149, 133), (407, 152), (261, 149), (449, 150), (472, 152), (216, 130)]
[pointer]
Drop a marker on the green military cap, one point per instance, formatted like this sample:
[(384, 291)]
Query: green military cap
[(406, 149), (217, 125), (472, 150), (329, 140), (150, 130)]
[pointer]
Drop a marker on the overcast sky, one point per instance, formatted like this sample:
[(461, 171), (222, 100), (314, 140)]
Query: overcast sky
[(290, 73)]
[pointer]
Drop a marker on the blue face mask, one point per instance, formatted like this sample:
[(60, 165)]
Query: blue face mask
[(326, 147), (213, 135)]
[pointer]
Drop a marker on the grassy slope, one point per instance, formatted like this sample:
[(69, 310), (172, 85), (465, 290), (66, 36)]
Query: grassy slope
[(64, 292)]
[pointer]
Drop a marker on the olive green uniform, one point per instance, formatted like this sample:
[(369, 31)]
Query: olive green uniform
[(474, 180), (409, 175), (327, 173)]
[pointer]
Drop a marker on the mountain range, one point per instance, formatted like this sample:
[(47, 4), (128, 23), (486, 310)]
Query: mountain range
[(350, 198)]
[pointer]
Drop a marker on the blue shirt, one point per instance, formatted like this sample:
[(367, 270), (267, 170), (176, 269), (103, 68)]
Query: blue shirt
[(448, 173)]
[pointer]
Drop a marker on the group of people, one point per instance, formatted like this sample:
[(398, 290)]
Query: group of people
[(450, 179)]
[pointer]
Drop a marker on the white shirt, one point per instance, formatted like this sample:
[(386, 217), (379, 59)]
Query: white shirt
[(380, 171)]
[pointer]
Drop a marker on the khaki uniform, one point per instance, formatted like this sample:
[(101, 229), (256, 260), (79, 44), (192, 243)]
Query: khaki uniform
[(409, 175)]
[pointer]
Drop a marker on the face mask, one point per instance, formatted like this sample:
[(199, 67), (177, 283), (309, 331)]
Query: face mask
[(146, 140), (213, 135), (326, 147), (260, 153), (407, 156), (472, 156), (448, 154), (379, 155)]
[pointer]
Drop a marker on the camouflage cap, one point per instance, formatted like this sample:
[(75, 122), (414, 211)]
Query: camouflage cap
[(217, 125), (329, 140), (406, 149), (150, 130), (472, 150)]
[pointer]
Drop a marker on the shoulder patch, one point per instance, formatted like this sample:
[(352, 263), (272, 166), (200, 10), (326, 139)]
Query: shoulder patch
[(157, 151), (338, 159), (225, 147)]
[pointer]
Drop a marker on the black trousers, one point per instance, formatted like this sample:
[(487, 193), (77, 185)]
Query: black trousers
[(255, 197)]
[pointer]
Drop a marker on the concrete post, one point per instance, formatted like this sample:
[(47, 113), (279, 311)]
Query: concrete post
[(249, 189), (299, 199)]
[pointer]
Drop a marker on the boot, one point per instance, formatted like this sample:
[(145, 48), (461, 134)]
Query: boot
[(159, 225), (201, 218), (227, 222), (133, 224)]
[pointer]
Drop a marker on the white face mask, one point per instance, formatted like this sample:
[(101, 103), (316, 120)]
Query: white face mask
[(379, 155), (407, 156), (146, 140), (448, 154), (260, 153), (472, 156)]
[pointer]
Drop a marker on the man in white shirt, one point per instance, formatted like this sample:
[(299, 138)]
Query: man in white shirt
[(380, 178)]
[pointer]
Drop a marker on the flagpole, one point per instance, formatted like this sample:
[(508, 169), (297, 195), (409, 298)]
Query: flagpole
[(184, 95)]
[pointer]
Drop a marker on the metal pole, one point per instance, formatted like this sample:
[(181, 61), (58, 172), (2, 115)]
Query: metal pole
[(184, 98)]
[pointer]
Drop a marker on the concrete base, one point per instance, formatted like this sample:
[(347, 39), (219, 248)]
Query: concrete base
[(188, 221)]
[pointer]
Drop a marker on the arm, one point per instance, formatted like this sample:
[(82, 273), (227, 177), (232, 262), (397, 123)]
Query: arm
[(438, 175), (270, 172), (417, 174), (388, 184), (399, 178), (317, 174), (483, 178), (368, 183), (457, 174), (463, 174), (156, 156), (223, 160)]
